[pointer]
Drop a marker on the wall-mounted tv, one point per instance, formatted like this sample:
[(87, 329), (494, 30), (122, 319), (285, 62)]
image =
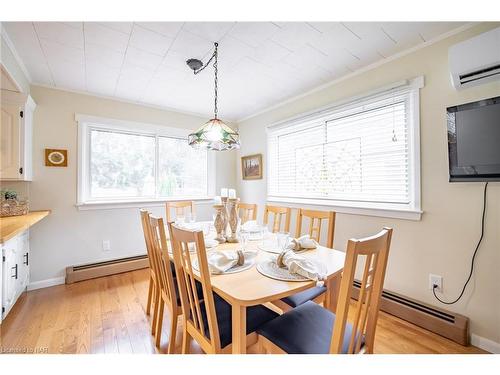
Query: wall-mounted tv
[(474, 141)]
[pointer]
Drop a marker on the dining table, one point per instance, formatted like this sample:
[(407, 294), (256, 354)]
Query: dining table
[(249, 287)]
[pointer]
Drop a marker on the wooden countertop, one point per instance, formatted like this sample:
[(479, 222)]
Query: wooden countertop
[(13, 225)]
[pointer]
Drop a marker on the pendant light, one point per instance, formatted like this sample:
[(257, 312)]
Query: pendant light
[(214, 134)]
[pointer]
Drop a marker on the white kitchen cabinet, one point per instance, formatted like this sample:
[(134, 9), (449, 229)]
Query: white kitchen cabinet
[(15, 270), (16, 128)]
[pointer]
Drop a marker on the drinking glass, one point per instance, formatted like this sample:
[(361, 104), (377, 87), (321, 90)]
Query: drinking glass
[(180, 220), (189, 217), (206, 229), (264, 232), (243, 238), (283, 240)]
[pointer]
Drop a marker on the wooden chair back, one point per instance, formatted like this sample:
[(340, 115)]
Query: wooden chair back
[(164, 275), (375, 249), (248, 211), (315, 221), (194, 306), (278, 213), (147, 238), (180, 208)]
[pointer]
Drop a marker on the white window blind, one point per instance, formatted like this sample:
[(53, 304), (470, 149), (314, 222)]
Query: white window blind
[(360, 154)]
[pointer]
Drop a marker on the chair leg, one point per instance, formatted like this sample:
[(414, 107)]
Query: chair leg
[(159, 322), (173, 333), (156, 299), (150, 296), (186, 341)]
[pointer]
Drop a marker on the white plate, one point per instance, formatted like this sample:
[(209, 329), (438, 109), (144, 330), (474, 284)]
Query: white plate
[(247, 265), (209, 243), (270, 269), (269, 249)]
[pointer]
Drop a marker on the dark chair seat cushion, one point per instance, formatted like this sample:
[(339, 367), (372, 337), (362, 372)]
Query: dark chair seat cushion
[(172, 267), (199, 290), (256, 316), (306, 329), (302, 297)]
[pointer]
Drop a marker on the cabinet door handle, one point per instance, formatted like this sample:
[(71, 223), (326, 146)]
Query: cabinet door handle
[(15, 272), (26, 259)]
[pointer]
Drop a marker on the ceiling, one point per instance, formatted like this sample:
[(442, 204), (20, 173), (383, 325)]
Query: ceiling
[(260, 63)]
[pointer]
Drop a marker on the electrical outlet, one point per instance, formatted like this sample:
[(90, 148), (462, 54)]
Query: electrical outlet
[(106, 245), (436, 280)]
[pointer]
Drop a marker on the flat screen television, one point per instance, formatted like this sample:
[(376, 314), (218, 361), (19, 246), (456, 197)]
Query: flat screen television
[(474, 141)]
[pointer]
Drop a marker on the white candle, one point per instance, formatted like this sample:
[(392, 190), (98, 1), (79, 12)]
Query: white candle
[(218, 200), (223, 192), (232, 193)]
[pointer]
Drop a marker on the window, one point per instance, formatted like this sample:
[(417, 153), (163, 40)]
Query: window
[(361, 155), (127, 162)]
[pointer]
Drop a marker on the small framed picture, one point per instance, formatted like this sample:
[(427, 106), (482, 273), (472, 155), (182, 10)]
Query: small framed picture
[(251, 167), (56, 158)]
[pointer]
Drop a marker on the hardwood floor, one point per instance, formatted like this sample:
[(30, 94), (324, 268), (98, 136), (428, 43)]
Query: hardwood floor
[(107, 315)]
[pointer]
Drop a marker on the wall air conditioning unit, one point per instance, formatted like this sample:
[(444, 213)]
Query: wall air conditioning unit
[(475, 61)]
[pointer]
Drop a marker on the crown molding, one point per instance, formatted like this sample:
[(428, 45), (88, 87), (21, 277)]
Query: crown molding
[(13, 49)]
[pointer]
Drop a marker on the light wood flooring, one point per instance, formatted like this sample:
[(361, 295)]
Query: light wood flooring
[(107, 315)]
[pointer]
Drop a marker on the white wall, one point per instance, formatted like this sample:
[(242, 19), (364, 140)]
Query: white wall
[(443, 241), (69, 236)]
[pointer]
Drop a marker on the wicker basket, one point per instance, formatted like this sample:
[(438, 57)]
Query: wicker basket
[(13, 207)]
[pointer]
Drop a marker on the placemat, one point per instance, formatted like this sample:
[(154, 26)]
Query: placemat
[(270, 269), (247, 265)]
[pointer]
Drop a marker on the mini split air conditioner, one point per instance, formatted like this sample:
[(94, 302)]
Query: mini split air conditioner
[(476, 60)]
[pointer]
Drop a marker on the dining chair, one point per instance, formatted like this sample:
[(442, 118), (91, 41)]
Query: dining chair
[(166, 290), (152, 266), (316, 219), (312, 329), (180, 208), (248, 211), (278, 213), (207, 316)]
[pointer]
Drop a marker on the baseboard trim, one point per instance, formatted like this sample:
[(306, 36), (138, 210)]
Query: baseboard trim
[(46, 283), (485, 344), (105, 268)]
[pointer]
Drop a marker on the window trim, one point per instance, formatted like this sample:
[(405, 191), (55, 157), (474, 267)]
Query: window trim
[(86, 123), (413, 210)]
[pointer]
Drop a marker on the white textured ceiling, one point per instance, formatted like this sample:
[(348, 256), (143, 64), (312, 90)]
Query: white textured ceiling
[(260, 63)]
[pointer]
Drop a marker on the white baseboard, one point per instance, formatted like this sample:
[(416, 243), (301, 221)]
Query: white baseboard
[(485, 344), (46, 283)]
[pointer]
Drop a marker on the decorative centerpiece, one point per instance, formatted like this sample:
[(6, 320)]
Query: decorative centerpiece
[(226, 213), (232, 208), (220, 222)]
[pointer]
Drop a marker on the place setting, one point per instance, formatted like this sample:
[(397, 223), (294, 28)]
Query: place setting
[(231, 260), (285, 263)]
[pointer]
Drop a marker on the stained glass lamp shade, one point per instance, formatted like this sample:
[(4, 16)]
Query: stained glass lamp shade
[(215, 135)]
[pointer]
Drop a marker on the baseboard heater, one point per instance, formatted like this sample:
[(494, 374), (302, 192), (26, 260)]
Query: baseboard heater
[(105, 268), (445, 323)]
